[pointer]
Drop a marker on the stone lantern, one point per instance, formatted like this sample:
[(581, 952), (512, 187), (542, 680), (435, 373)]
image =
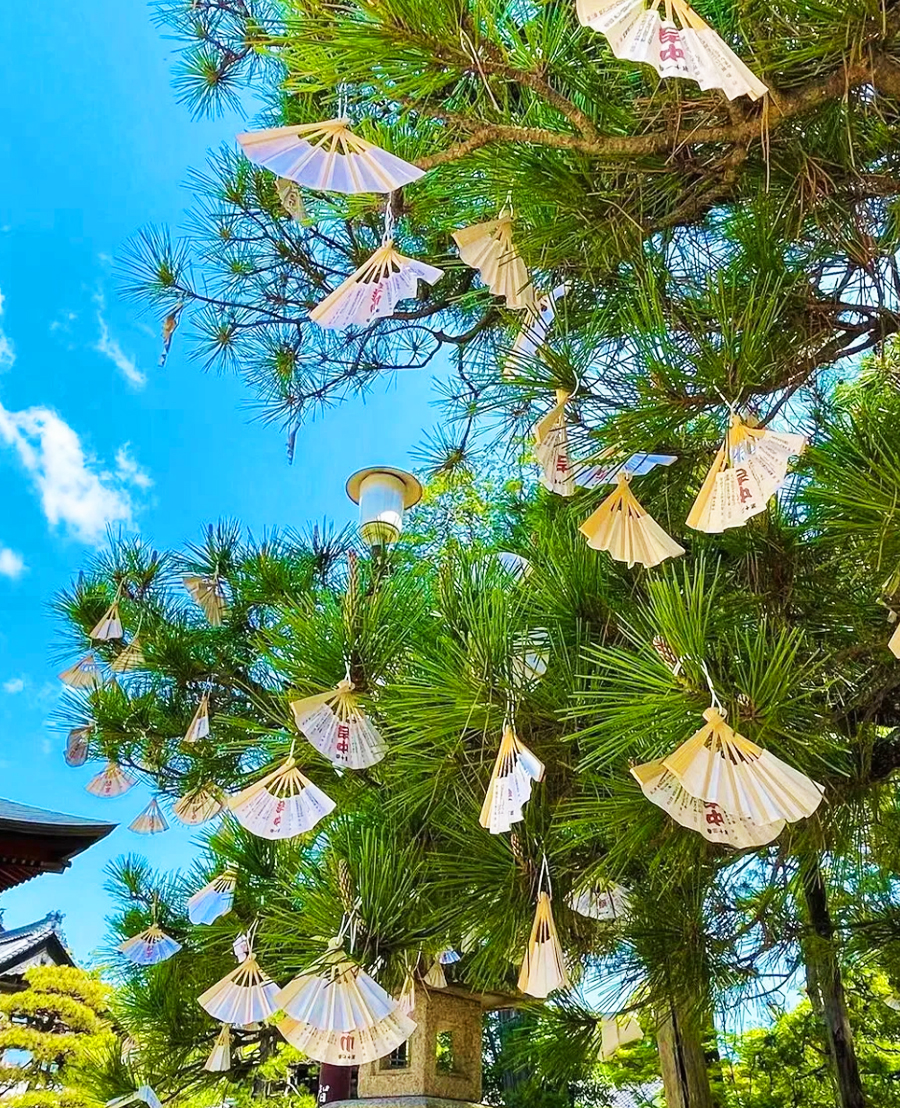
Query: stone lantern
[(439, 1066)]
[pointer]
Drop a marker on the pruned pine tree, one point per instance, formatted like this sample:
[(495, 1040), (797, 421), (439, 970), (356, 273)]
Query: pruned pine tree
[(598, 667)]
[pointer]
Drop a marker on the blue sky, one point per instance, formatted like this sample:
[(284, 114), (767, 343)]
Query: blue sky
[(91, 431)]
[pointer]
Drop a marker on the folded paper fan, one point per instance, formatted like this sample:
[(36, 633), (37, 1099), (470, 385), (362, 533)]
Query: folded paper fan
[(544, 968), (283, 804), (209, 594), (85, 674), (246, 995), (132, 657), (109, 625), (618, 1032), (199, 725), (449, 957), (533, 332), (712, 822), (338, 728), (605, 471), (77, 745), (510, 786), (601, 903), (436, 977), (291, 200), (349, 1048), (374, 290), (551, 441), (111, 782), (677, 43), (749, 469), (406, 1002), (213, 900), (151, 821), (220, 1059), (149, 948), (622, 527), (488, 247), (143, 1095), (199, 806), (169, 327), (721, 767), (894, 643), (328, 157)]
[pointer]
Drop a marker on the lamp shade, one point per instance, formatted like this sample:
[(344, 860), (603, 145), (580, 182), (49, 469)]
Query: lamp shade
[(383, 494)]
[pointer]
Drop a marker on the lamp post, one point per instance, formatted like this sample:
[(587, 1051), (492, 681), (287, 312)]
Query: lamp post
[(383, 495)]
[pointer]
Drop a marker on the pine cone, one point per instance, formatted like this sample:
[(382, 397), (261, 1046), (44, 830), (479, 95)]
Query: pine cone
[(345, 884), (666, 653)]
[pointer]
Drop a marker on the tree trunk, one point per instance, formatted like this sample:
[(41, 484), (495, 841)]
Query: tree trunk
[(334, 1083), (824, 978), (683, 1061)]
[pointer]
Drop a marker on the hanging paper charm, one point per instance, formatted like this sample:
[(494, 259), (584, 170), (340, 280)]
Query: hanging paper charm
[(210, 595), (220, 1059), (337, 727), (199, 806), (149, 948), (144, 1095), (213, 900), (109, 625), (169, 326), (509, 789), (327, 157), (749, 469), (77, 745), (85, 674), (291, 200), (544, 968), (131, 657), (600, 902), (618, 1032), (199, 725), (283, 804), (488, 247), (622, 527), (151, 821), (246, 995), (533, 333), (551, 440), (111, 782), (436, 978)]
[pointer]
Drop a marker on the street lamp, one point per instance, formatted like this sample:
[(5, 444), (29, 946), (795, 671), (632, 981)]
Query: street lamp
[(383, 494)]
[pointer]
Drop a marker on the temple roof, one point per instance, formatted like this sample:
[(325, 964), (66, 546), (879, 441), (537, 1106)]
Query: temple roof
[(35, 841), (37, 944)]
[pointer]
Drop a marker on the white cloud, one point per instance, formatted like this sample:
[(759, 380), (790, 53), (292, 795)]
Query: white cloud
[(110, 348), (64, 322), (73, 491), (11, 563), (14, 685), (7, 353), (129, 470)]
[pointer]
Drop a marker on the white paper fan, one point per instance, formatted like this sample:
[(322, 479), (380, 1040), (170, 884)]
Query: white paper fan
[(130, 657), (109, 625), (328, 157), (77, 745), (509, 789), (246, 995), (210, 595), (149, 948), (291, 200), (488, 247), (199, 726), (449, 957), (374, 290), (628, 533), (749, 469), (406, 1001), (283, 804), (213, 900), (533, 332), (349, 1048), (610, 464), (144, 1095), (604, 903), (544, 968), (220, 1059), (111, 782), (85, 674), (894, 642), (151, 821), (721, 767), (712, 822), (199, 806), (618, 1032), (337, 727), (436, 978), (551, 439)]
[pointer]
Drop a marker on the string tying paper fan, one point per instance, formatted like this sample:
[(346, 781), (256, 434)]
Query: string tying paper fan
[(677, 43), (509, 789), (605, 903), (150, 947), (109, 625), (282, 805), (374, 290), (721, 767), (111, 782), (533, 333), (84, 674), (628, 533), (551, 439), (488, 247), (337, 727), (709, 820), (199, 805), (618, 1032), (151, 821), (544, 968), (199, 725), (220, 1059), (213, 900), (131, 657), (246, 995), (210, 595), (328, 157), (750, 467), (342, 1017), (77, 745), (291, 200)]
